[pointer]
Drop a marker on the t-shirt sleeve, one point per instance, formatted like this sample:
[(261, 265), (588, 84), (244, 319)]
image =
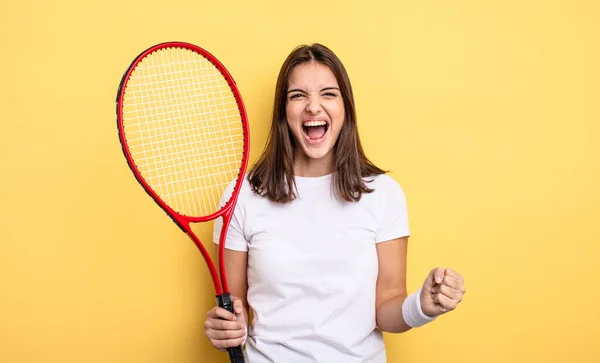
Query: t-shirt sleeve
[(394, 217), (235, 239)]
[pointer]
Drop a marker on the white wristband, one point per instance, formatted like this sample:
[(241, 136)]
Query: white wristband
[(412, 313)]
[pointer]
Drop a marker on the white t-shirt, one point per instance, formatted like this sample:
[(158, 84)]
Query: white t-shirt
[(312, 270)]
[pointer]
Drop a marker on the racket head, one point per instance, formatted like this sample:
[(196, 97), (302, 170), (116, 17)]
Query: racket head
[(183, 130)]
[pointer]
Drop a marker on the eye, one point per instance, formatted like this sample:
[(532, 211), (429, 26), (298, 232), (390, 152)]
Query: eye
[(296, 96), (330, 94)]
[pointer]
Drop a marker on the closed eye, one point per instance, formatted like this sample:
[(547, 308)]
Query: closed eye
[(330, 92), (296, 96)]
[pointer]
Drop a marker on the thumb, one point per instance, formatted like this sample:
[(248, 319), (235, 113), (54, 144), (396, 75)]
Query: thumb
[(238, 309), (435, 276), (439, 274)]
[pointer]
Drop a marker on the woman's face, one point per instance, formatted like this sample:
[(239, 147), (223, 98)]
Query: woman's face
[(315, 111)]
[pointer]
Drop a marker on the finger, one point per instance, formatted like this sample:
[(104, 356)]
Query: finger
[(456, 275), (221, 313), (220, 324), (438, 275), (444, 303), (224, 344), (454, 283), (434, 277), (238, 307), (449, 293), (240, 318), (225, 334), (451, 282)]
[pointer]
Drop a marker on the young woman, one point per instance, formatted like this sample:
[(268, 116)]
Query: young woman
[(317, 245)]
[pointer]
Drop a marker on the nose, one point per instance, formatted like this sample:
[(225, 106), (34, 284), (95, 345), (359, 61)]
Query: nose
[(313, 106)]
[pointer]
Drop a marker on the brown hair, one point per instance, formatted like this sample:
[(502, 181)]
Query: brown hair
[(274, 170)]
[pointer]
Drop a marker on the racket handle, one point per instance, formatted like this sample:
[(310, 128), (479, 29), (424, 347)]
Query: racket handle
[(236, 354)]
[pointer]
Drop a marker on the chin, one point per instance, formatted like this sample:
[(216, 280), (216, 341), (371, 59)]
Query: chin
[(317, 153)]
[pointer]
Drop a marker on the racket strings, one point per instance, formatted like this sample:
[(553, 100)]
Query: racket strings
[(184, 129)]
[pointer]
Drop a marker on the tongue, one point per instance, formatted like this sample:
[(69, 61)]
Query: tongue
[(316, 132)]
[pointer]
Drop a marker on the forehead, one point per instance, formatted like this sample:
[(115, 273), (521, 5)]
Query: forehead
[(312, 75)]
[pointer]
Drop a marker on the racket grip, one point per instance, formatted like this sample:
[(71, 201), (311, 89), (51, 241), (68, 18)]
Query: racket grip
[(236, 354)]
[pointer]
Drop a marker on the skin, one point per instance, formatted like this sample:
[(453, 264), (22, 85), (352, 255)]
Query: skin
[(314, 95)]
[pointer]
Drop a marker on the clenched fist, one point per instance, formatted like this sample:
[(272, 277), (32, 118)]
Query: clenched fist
[(224, 329), (442, 291)]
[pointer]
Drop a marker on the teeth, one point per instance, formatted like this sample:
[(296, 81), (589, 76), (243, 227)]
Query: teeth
[(314, 123)]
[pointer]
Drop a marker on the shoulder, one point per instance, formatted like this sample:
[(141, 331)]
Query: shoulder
[(383, 183), (246, 193), (386, 190)]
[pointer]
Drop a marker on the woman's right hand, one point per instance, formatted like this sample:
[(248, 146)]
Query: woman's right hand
[(224, 329)]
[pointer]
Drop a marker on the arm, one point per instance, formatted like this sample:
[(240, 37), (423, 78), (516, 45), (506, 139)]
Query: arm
[(391, 285), (236, 264), (442, 291)]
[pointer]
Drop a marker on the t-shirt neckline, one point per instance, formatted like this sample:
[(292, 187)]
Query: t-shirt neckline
[(313, 180)]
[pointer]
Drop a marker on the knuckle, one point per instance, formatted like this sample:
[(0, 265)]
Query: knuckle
[(220, 325), (229, 326)]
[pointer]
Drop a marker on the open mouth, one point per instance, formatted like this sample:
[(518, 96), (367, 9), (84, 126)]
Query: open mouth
[(315, 130)]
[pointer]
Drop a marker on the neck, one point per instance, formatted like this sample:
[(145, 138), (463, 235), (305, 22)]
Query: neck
[(307, 167)]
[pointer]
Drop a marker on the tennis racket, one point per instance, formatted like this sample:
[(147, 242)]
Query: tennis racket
[(184, 132)]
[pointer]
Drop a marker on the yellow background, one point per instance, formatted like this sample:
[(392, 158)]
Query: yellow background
[(487, 113)]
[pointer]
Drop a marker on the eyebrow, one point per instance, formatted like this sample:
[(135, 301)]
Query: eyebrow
[(303, 91)]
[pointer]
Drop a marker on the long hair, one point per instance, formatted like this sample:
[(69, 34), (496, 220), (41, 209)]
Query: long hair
[(273, 174)]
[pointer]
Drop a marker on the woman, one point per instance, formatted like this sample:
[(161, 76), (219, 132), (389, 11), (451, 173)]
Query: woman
[(318, 242)]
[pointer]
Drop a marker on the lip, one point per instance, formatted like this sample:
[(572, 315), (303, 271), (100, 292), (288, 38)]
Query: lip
[(319, 140), (315, 119)]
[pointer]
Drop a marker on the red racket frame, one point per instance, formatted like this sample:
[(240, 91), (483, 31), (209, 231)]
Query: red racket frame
[(181, 220)]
